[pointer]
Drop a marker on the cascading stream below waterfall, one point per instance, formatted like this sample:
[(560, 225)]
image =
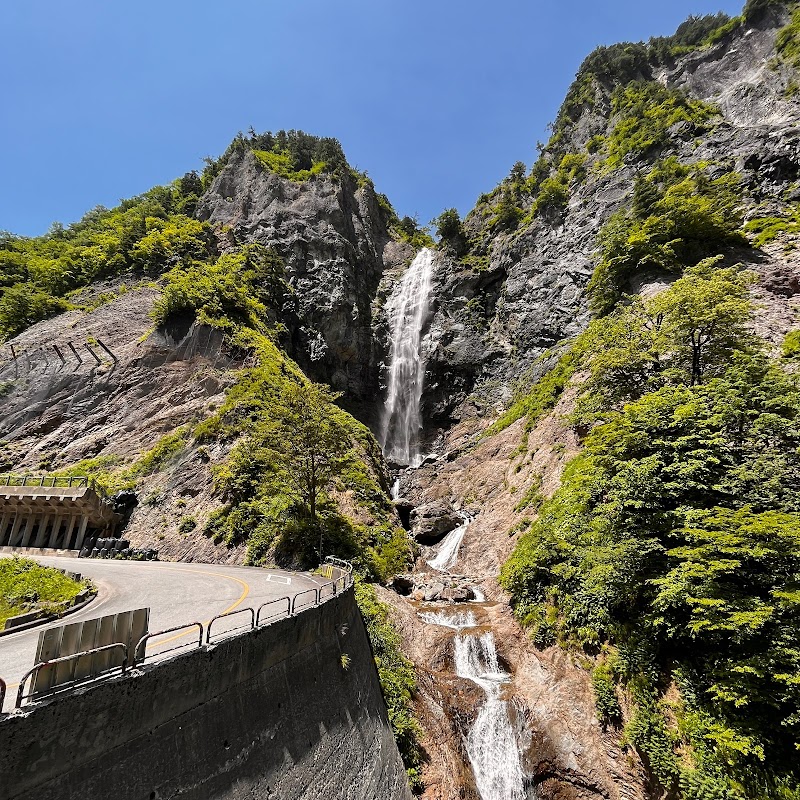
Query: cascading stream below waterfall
[(447, 555), (491, 743), (407, 310)]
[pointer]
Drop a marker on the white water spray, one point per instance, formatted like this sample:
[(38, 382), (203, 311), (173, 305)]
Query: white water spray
[(459, 621), (408, 311), (447, 555), (491, 745), (480, 597)]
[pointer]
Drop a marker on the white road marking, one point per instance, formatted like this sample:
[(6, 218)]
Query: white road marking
[(279, 579)]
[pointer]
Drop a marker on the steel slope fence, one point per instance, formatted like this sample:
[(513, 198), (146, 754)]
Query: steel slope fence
[(230, 631), (74, 682), (47, 481), (140, 653)]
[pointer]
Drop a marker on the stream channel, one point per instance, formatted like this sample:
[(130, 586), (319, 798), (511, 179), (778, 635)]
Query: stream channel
[(491, 742)]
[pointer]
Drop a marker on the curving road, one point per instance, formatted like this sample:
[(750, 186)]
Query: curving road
[(175, 592)]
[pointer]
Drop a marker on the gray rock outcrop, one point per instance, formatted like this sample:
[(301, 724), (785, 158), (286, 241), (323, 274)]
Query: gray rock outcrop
[(333, 235), (432, 521)]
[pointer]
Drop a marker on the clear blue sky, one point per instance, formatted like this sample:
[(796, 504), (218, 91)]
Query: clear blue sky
[(436, 100)]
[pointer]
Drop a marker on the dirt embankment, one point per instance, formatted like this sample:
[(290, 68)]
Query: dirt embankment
[(107, 385)]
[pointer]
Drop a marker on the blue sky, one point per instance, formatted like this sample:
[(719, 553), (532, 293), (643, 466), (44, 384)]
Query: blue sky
[(436, 100)]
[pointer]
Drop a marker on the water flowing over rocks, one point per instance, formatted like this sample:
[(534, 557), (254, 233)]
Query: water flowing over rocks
[(407, 310), (491, 743)]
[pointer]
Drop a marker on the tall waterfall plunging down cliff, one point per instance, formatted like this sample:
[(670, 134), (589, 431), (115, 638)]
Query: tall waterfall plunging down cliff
[(407, 310), (491, 744)]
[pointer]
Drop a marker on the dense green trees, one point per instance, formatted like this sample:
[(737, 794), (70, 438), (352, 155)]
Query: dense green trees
[(450, 231), (672, 545), (293, 154)]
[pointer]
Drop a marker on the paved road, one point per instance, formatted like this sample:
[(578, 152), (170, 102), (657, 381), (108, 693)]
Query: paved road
[(175, 593)]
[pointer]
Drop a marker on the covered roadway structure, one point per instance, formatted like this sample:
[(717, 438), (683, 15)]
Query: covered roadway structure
[(51, 512)]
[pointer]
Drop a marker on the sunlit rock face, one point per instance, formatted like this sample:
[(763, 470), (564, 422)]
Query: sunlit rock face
[(333, 235)]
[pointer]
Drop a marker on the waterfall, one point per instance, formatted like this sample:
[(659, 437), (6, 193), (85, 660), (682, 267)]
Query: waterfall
[(407, 310), (458, 621), (447, 555), (491, 745)]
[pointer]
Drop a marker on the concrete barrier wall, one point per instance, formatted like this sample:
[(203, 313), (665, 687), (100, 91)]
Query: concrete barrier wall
[(276, 713)]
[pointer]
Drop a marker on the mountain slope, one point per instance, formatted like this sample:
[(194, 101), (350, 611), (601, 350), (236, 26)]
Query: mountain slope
[(663, 208)]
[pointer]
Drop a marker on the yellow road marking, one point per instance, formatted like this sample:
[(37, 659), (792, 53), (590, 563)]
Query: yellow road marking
[(226, 611)]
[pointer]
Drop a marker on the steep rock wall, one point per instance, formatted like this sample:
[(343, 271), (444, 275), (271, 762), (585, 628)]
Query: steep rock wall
[(523, 291), (276, 713), (333, 235)]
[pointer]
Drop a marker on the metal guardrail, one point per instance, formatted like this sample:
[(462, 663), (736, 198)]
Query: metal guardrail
[(53, 481), (67, 685), (341, 563), (3, 687), (329, 587), (231, 614), (278, 614), (326, 591), (140, 653), (314, 592)]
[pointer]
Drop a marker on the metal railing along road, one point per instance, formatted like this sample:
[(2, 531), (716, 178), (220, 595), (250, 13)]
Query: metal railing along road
[(232, 631), (74, 683), (284, 607), (140, 653), (280, 614)]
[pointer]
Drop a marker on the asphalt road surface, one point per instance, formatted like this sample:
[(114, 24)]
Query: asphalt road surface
[(176, 593)]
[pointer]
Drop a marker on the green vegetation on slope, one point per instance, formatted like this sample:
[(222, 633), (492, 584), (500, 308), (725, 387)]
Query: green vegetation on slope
[(397, 678), (791, 345), (679, 216), (788, 42), (145, 235), (536, 401), (645, 113), (672, 545), (621, 64), (767, 229), (291, 154), (283, 164), (27, 586)]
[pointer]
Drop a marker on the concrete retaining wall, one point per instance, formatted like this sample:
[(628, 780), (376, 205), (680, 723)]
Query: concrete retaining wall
[(273, 713)]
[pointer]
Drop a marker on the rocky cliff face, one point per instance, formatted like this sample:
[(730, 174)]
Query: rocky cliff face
[(528, 291), (334, 237), (515, 294)]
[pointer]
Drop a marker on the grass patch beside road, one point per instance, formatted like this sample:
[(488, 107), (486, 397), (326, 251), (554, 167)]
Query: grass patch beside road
[(28, 586)]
